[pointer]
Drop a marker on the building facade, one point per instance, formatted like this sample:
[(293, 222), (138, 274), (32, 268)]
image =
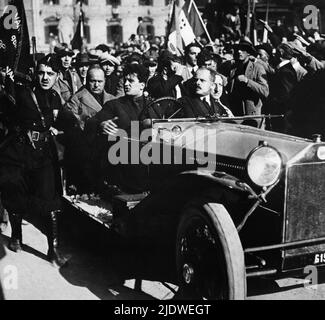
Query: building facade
[(106, 21)]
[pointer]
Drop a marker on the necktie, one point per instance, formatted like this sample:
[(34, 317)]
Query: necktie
[(207, 105)]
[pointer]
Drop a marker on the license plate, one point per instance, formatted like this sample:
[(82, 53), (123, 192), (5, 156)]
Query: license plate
[(319, 258)]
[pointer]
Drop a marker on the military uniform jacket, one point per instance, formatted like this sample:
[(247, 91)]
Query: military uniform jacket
[(24, 117)]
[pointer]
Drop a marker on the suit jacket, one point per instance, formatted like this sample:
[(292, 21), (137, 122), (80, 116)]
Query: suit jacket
[(63, 87), (194, 107), (84, 106), (282, 84), (250, 102)]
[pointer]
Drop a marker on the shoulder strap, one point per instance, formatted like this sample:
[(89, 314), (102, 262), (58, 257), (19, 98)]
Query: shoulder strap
[(38, 107)]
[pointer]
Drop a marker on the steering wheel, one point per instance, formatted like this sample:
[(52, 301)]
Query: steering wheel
[(162, 108)]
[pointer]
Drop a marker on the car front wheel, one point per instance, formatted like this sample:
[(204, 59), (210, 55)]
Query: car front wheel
[(209, 256)]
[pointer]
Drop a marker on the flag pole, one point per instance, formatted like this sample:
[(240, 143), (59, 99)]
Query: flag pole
[(254, 23), (265, 33), (201, 20), (248, 19), (34, 52)]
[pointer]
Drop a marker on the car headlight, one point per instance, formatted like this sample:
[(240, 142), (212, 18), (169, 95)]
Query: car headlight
[(264, 166)]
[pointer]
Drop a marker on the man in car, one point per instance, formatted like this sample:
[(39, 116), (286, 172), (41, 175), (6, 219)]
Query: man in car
[(203, 103), (84, 105), (119, 114)]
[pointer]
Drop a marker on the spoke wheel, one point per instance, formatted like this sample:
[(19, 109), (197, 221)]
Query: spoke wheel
[(209, 255)]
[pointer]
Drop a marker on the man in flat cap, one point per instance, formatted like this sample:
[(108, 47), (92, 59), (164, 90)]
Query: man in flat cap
[(247, 82), (113, 83), (29, 184), (68, 82)]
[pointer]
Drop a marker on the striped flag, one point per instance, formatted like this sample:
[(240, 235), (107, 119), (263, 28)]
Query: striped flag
[(194, 17), (185, 25), (14, 45)]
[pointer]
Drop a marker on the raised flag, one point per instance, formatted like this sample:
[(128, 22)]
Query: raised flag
[(78, 39), (14, 45), (185, 26), (194, 18)]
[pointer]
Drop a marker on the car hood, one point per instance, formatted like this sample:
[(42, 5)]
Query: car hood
[(232, 140)]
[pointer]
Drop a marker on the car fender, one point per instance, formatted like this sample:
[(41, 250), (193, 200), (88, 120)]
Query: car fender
[(165, 204)]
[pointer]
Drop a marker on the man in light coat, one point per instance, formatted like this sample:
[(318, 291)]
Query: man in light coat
[(247, 82), (84, 105)]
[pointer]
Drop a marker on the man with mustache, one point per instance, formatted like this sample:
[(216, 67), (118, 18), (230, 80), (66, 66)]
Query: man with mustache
[(202, 103), (28, 159)]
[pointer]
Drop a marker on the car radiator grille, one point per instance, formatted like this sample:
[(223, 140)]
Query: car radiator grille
[(305, 206)]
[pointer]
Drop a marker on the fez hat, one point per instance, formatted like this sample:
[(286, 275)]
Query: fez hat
[(63, 50), (107, 58)]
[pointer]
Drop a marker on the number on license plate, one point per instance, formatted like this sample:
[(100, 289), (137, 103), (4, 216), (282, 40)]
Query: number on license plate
[(319, 258)]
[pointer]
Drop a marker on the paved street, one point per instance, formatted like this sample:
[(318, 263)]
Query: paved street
[(99, 271)]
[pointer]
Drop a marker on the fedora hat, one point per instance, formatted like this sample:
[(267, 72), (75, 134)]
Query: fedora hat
[(246, 45), (82, 59)]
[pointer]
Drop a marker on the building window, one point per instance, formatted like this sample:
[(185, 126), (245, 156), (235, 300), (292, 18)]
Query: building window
[(148, 23), (51, 32), (145, 2), (51, 29), (114, 32), (52, 2), (113, 2)]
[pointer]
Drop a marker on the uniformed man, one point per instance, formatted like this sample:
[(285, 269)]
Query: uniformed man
[(28, 181), (68, 82)]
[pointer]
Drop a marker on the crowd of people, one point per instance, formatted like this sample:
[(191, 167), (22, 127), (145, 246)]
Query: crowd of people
[(76, 99)]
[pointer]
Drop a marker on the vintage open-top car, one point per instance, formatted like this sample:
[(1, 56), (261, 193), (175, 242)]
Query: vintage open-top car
[(237, 201)]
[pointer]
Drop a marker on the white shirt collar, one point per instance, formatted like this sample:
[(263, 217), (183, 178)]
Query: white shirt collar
[(207, 99)]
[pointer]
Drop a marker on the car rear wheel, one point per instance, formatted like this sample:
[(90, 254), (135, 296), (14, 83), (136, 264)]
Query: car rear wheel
[(209, 255)]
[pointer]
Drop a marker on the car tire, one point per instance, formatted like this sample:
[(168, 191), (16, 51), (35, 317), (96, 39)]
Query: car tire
[(209, 255)]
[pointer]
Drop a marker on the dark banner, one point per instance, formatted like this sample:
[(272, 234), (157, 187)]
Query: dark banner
[(14, 45)]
